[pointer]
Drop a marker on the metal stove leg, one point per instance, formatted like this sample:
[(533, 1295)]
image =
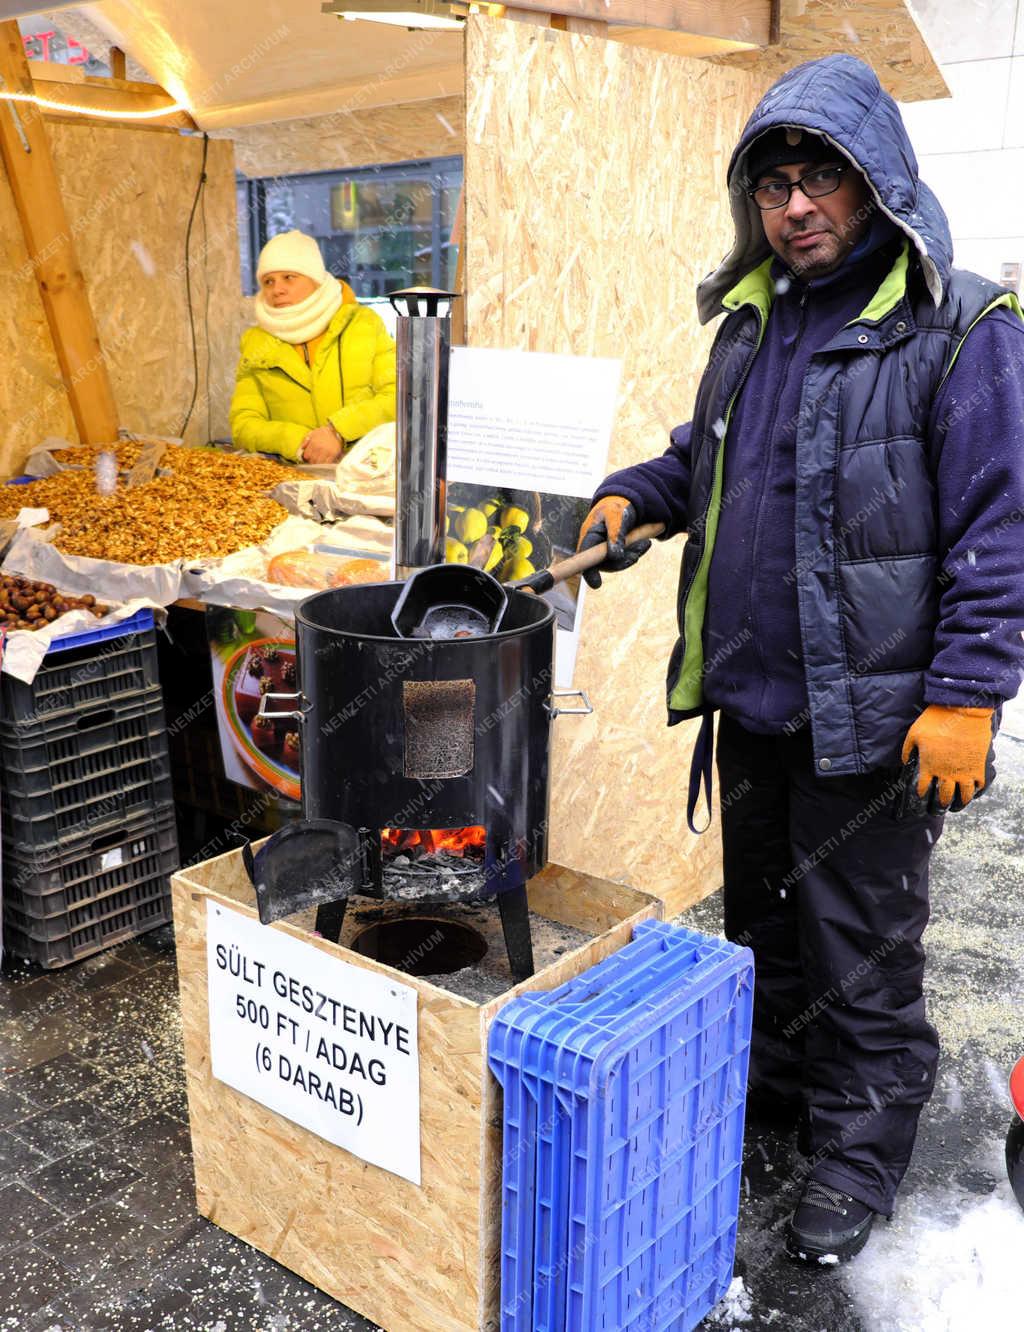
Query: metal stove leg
[(515, 923), (330, 917)]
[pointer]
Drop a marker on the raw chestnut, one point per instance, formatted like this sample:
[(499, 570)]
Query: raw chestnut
[(25, 604)]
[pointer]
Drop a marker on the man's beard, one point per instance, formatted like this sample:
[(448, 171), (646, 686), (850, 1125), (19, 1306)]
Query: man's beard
[(815, 260)]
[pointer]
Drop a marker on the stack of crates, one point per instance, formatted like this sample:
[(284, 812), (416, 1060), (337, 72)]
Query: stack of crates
[(87, 816), (624, 1096)]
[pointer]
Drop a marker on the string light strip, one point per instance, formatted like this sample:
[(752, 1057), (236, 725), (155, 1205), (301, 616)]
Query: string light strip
[(70, 108)]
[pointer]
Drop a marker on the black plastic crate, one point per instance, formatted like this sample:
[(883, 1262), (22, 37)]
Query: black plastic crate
[(97, 799), (80, 677), (57, 753), (90, 868), (79, 920), (123, 921)]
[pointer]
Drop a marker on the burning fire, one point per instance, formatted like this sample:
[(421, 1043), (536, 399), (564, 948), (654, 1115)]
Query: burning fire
[(425, 841)]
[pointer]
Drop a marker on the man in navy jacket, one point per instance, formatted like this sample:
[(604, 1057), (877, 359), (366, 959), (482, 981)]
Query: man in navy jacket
[(852, 489)]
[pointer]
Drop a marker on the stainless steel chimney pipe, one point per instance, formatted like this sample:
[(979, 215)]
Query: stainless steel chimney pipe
[(423, 355)]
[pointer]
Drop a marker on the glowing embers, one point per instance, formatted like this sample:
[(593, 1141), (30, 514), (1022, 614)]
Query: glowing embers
[(438, 864)]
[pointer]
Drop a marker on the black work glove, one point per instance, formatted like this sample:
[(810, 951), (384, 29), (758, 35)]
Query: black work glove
[(611, 519)]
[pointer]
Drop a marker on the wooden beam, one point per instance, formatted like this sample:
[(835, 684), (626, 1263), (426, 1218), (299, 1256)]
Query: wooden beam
[(538, 17), (362, 94), (584, 26), (747, 21), (677, 43), (118, 63), (25, 151), (122, 95)]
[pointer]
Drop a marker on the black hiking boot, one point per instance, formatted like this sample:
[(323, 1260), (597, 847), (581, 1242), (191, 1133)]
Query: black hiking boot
[(828, 1226)]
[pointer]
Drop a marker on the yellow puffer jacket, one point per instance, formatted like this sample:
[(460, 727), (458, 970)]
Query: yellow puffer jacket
[(279, 399)]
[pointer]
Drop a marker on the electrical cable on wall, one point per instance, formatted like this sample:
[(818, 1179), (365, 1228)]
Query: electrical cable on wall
[(206, 318), (200, 187)]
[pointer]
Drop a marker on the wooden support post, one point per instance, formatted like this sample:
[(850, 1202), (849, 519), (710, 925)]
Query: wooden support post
[(25, 150), (118, 63)]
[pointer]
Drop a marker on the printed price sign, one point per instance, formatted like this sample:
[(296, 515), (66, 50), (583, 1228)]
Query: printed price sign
[(330, 1046)]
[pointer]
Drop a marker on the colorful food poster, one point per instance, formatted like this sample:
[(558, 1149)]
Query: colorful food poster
[(528, 437), (252, 655)]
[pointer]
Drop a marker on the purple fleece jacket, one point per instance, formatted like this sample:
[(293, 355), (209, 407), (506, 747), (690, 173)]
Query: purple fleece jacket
[(975, 442)]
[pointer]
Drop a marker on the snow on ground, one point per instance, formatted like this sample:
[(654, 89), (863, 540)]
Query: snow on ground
[(944, 1264), (735, 1306)]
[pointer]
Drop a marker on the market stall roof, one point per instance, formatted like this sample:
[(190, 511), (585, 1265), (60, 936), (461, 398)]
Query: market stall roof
[(242, 62)]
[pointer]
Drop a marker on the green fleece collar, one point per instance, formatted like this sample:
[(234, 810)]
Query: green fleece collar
[(891, 291), (757, 288)]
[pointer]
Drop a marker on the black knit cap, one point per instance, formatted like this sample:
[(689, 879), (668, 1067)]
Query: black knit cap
[(786, 147)]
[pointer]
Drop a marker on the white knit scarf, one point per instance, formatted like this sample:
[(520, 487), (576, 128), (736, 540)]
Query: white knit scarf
[(308, 319)]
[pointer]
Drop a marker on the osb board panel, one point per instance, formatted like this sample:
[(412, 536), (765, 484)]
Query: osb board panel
[(588, 229), (133, 258), (127, 194), (882, 32), (407, 1257), (352, 138), (414, 1259), (582, 900)]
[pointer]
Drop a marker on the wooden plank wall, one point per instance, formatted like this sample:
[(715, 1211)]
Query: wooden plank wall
[(127, 193), (595, 198)]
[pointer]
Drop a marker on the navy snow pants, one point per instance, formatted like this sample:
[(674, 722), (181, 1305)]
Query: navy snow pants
[(830, 890)]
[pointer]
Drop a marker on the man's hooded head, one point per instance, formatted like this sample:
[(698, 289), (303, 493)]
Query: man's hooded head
[(839, 100), (814, 205)]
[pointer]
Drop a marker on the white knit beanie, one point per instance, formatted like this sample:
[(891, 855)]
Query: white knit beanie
[(292, 252)]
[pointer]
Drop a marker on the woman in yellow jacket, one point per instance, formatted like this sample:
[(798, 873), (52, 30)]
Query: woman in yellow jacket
[(319, 370)]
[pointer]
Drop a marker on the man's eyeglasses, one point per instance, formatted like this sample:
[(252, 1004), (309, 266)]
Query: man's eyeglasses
[(776, 193)]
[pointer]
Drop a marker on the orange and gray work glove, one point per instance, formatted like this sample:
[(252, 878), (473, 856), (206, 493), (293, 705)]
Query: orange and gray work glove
[(954, 756), (611, 519)]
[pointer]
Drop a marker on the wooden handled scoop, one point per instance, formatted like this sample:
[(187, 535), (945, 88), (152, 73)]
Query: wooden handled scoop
[(462, 601), (545, 579)]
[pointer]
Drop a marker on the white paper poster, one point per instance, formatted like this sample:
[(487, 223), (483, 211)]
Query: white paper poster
[(528, 437), (326, 1044)]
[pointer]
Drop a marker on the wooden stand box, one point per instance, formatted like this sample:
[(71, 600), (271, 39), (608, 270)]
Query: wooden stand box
[(411, 1258)]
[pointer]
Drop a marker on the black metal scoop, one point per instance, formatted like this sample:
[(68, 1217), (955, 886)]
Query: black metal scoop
[(459, 601), (449, 601)]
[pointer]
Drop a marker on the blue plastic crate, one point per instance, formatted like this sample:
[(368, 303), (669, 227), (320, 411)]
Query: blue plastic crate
[(134, 624), (623, 1130)]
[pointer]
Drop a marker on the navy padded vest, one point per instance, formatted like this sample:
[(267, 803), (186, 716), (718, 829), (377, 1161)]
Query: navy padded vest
[(866, 584)]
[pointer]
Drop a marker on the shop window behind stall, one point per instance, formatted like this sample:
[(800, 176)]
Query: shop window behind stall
[(380, 228)]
